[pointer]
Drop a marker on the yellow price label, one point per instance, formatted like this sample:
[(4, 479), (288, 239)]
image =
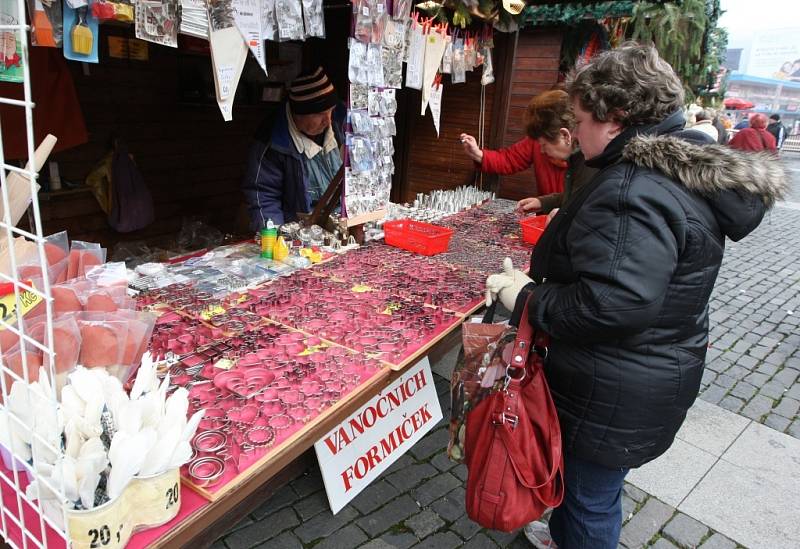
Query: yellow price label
[(391, 307), (8, 305), (214, 311), (361, 289)]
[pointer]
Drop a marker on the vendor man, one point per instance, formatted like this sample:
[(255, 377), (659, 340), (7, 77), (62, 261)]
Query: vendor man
[(295, 156)]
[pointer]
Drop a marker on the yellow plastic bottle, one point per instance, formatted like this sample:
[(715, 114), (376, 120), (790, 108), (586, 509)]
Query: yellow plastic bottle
[(280, 250)]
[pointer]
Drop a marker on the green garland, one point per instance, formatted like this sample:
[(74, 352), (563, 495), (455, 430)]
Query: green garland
[(573, 13), (686, 36)]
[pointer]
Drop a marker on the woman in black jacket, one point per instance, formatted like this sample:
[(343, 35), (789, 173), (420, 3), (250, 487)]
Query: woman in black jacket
[(622, 277)]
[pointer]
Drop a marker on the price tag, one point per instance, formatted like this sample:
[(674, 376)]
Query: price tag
[(8, 304)]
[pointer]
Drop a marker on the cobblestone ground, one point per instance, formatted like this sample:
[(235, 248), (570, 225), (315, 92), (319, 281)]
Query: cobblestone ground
[(753, 369)]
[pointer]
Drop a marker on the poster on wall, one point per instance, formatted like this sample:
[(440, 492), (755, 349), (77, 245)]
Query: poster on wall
[(775, 54), (10, 46)]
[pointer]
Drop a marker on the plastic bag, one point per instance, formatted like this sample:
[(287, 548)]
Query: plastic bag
[(479, 369), (357, 70), (416, 58), (290, 20), (108, 274), (379, 18), (196, 235), (459, 74), (362, 30), (314, 18)]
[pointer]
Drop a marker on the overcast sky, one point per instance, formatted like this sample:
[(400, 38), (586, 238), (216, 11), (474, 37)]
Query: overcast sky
[(743, 17)]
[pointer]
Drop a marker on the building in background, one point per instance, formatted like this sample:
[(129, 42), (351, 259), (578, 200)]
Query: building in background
[(766, 72)]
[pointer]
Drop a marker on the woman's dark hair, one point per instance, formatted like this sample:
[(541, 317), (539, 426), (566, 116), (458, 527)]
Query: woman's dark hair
[(547, 113), (631, 85)]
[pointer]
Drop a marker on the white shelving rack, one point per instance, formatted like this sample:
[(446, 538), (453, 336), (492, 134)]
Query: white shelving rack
[(23, 522)]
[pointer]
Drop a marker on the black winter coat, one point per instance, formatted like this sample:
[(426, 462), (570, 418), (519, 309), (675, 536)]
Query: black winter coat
[(626, 285)]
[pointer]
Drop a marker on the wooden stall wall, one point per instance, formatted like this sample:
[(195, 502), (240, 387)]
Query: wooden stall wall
[(525, 64), (535, 69), (164, 108), (191, 160), (425, 161)]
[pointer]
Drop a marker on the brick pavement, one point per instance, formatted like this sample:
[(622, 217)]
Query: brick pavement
[(753, 369)]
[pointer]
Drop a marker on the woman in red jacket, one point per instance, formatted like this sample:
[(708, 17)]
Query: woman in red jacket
[(756, 137), (520, 156)]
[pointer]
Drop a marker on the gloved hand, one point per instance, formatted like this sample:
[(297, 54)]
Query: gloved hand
[(506, 285)]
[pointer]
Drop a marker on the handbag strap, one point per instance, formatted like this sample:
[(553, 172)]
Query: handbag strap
[(504, 416)]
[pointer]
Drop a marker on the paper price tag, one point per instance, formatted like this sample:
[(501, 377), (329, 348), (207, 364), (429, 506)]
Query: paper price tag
[(8, 305)]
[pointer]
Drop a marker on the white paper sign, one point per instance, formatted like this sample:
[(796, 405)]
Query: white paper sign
[(435, 103), (365, 444), (248, 16)]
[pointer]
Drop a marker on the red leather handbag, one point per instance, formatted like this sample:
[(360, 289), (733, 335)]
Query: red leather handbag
[(513, 442)]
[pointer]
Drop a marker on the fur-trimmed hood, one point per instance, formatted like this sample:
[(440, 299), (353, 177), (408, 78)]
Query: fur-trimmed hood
[(729, 179)]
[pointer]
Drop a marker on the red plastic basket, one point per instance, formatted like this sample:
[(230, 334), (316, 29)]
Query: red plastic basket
[(532, 228), (416, 236)]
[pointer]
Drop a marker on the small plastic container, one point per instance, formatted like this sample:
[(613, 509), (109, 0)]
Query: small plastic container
[(532, 228), (416, 236)]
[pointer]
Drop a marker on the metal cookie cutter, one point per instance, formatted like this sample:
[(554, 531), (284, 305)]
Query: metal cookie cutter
[(210, 441), (206, 471)]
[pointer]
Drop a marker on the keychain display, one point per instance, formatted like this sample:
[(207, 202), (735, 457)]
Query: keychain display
[(314, 18)]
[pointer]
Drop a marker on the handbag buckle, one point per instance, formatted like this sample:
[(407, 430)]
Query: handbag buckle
[(502, 418)]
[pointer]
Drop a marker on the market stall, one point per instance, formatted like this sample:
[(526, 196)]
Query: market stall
[(155, 407), (275, 365)]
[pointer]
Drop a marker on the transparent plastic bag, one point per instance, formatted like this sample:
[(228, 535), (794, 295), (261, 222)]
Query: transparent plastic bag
[(314, 18), (362, 31), (357, 70), (374, 65), (379, 19), (359, 96), (290, 20), (459, 74), (479, 371)]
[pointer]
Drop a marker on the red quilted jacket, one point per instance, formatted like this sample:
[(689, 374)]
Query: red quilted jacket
[(522, 155), (751, 139)]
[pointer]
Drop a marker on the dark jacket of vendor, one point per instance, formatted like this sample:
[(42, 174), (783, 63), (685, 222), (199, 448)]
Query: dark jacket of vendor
[(627, 345), (296, 153)]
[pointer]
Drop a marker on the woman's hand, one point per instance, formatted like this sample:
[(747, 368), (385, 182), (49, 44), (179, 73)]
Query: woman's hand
[(471, 148), (530, 204), (506, 286)]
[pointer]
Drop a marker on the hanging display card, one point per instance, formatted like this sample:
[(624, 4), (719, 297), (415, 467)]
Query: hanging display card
[(228, 53), (435, 103), (434, 50), (416, 57), (248, 16)]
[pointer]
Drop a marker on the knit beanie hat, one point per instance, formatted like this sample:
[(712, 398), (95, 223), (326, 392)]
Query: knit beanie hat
[(312, 93)]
